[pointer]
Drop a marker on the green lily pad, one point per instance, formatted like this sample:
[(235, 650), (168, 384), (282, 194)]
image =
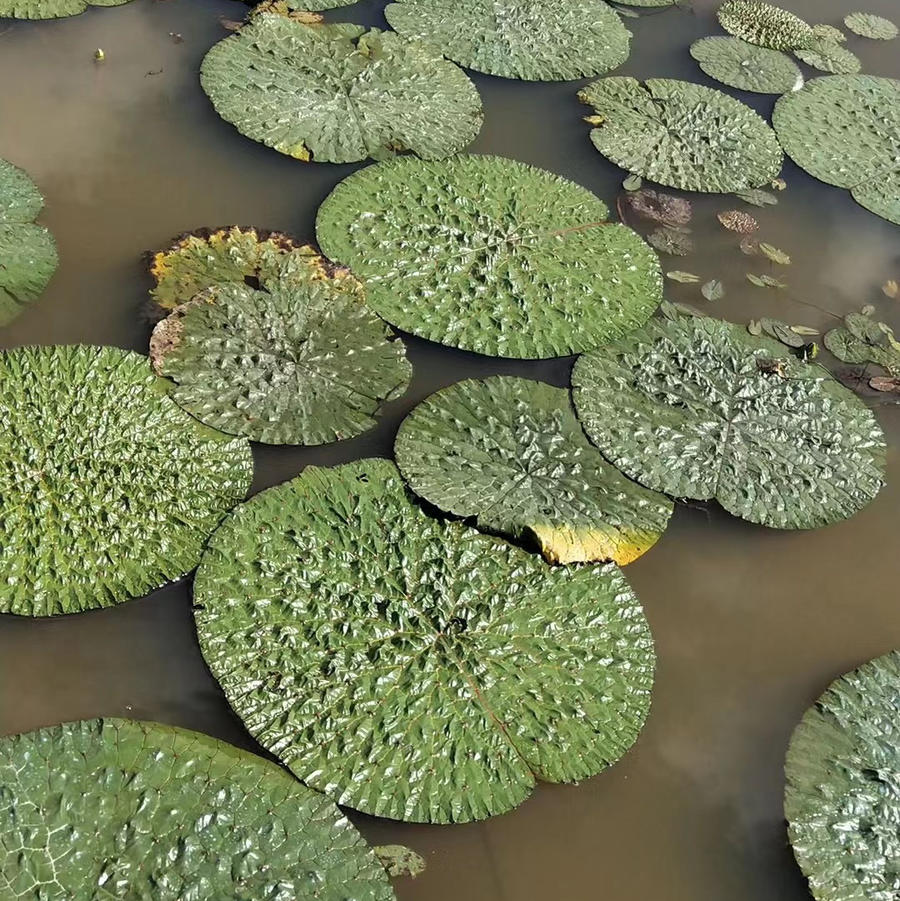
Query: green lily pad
[(863, 340), (339, 94), (681, 134), (698, 408), (50, 9), (648, 3), (826, 56), (27, 250), (400, 861), (868, 25), (764, 24), (121, 809), (845, 130), (829, 33), (107, 489), (510, 453), (535, 40), (490, 255), (303, 362), (747, 67), (412, 668), (841, 799), (315, 6)]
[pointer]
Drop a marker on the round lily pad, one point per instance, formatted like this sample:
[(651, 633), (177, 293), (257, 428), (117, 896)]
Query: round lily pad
[(50, 9), (747, 67), (681, 134), (303, 362), (107, 488), (121, 809), (845, 130), (412, 668), (764, 24), (510, 453), (490, 255), (339, 94), (536, 40), (699, 408), (868, 25), (827, 56), (27, 250), (841, 799)]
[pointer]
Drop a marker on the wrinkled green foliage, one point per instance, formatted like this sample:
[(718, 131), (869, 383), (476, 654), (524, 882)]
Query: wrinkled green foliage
[(829, 33), (121, 809), (510, 453), (50, 9), (681, 134), (845, 130), (336, 93), (868, 25), (764, 24), (648, 2), (412, 668), (107, 489), (315, 6), (27, 251), (745, 66), (490, 255), (863, 340), (698, 408), (399, 860), (841, 798), (304, 361), (536, 40), (827, 56)]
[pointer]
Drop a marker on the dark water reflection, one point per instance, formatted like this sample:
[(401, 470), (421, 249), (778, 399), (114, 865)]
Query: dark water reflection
[(750, 624)]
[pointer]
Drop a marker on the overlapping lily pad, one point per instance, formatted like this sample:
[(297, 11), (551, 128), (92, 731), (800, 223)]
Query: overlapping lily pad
[(829, 33), (510, 453), (27, 251), (412, 668), (337, 93), (50, 9), (302, 361), (868, 25), (863, 340), (845, 130), (698, 408), (841, 800), (764, 24), (827, 56), (747, 67), (121, 809), (681, 134), (107, 488), (536, 40), (490, 255)]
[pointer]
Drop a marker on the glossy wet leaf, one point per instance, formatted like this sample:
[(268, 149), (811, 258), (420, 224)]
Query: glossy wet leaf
[(107, 488), (536, 40), (490, 255), (400, 861), (675, 241), (845, 130), (120, 809), (713, 290), (868, 25), (686, 278), (656, 206), (510, 454), (49, 9), (775, 254), (698, 408), (337, 93), (412, 668), (841, 801), (681, 134), (757, 197), (764, 24), (27, 251), (745, 66), (738, 221), (826, 56)]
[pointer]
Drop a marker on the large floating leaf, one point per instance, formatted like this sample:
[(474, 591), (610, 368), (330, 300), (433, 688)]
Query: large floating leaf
[(538, 40), (303, 362), (845, 130), (411, 668), (868, 25), (50, 9), (120, 809), (336, 93), (681, 134), (764, 24), (841, 799), (510, 453), (107, 488), (863, 340), (490, 255), (698, 408), (27, 251), (747, 67)]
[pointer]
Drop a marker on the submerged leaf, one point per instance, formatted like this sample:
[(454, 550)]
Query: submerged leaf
[(868, 25), (687, 278), (891, 288), (764, 24), (666, 209), (713, 290), (757, 197), (674, 241), (738, 221), (399, 860), (747, 67)]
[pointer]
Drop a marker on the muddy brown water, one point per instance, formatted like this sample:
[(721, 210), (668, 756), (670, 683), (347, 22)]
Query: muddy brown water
[(750, 624)]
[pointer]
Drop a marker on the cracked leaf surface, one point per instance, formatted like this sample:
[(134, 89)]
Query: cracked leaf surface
[(764, 24), (113, 808), (745, 66), (412, 668), (693, 408)]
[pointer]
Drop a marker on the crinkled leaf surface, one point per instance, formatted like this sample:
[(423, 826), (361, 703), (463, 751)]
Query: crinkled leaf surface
[(107, 488), (827, 56), (764, 24), (315, 6), (121, 809), (490, 255), (510, 453), (845, 130), (50, 9), (27, 251), (412, 668), (304, 362), (745, 66), (829, 33), (868, 25), (841, 799), (537, 40), (698, 408), (647, 2), (336, 93), (681, 134)]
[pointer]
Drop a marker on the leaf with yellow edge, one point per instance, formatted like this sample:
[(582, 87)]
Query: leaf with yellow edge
[(891, 289)]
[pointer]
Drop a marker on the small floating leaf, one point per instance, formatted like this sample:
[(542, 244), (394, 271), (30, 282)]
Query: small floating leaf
[(745, 66), (749, 246), (781, 331), (891, 289), (738, 221), (755, 280), (713, 290), (774, 254), (868, 25), (805, 330), (399, 860), (771, 282), (676, 275), (755, 327), (632, 183), (757, 197), (675, 241), (779, 184)]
